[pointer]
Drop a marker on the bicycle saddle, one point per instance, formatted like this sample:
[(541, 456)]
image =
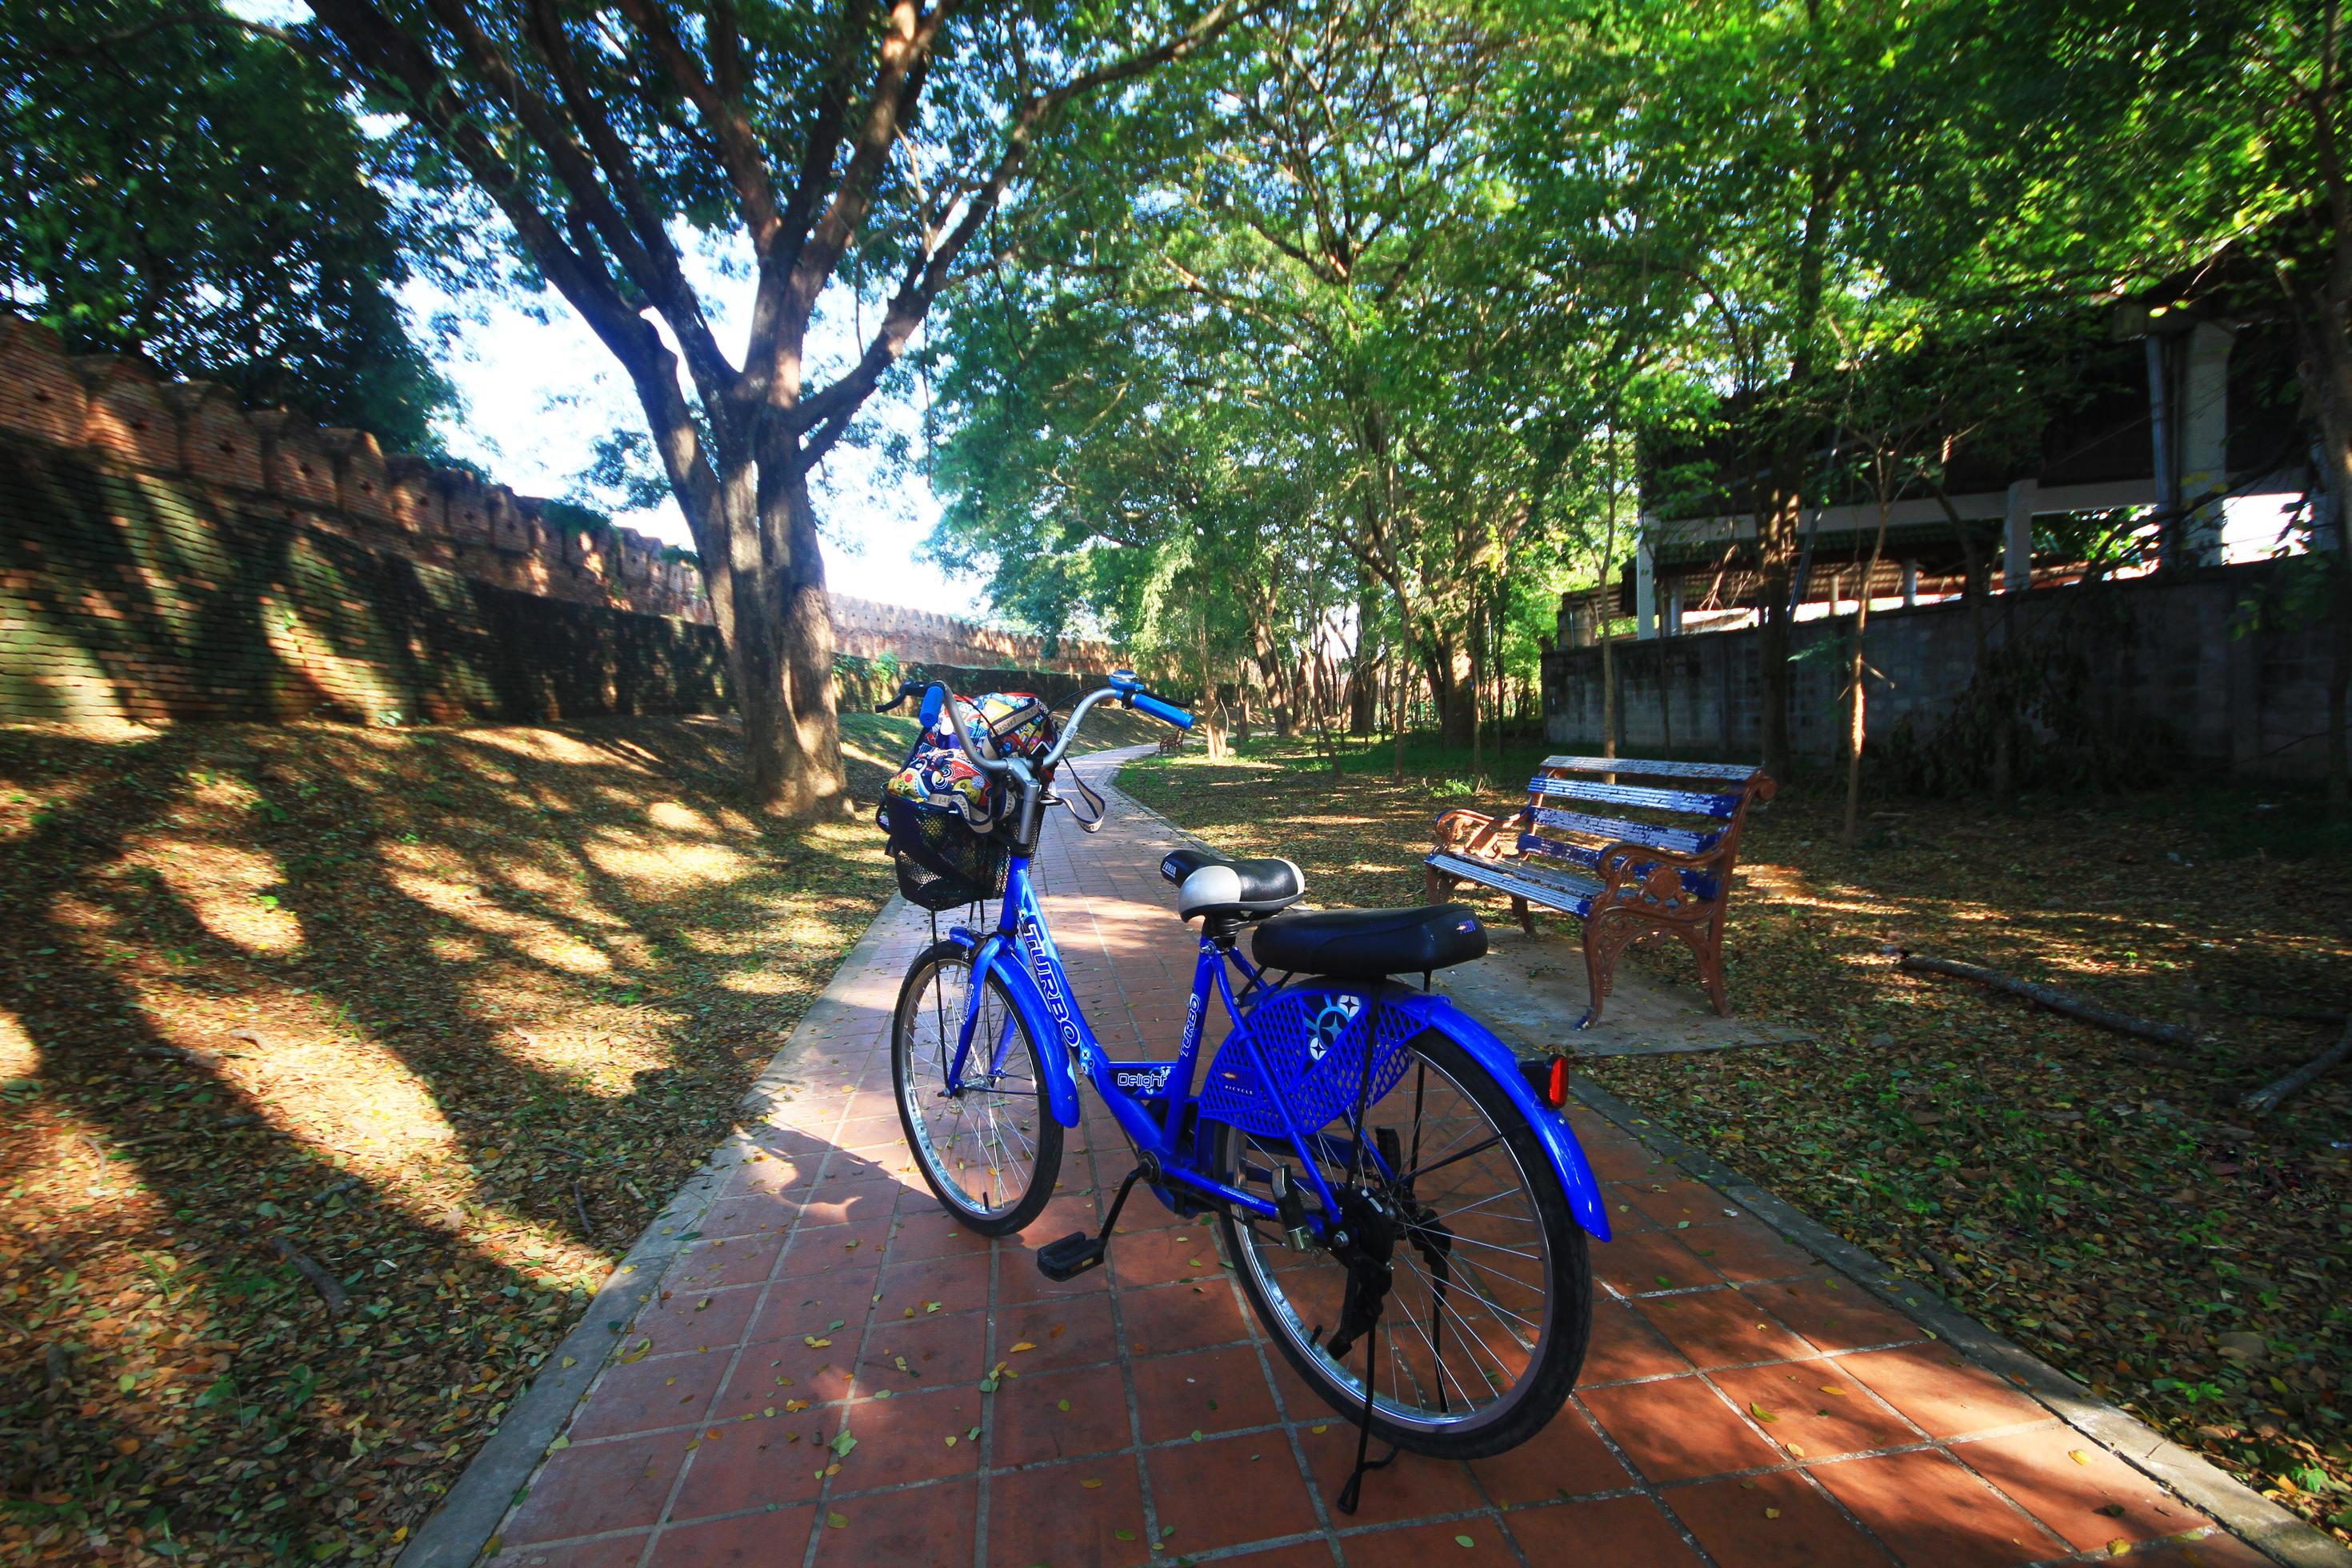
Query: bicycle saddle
[(1208, 883), (1371, 944)]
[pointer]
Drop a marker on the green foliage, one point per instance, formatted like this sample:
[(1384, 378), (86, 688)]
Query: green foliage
[(180, 188), (1295, 371)]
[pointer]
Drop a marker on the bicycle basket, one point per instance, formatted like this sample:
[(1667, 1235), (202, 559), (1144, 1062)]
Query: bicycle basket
[(943, 863), (1312, 1038), (942, 815)]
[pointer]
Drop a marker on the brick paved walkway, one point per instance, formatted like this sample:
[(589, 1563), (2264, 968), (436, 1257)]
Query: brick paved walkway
[(1742, 1402)]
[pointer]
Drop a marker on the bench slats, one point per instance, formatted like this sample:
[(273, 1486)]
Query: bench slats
[(1699, 885), (1553, 889), (1651, 770), (1690, 801), (1614, 830), (1564, 830)]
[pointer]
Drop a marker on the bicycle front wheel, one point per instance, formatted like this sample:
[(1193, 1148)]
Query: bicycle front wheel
[(990, 1149), (1483, 1330)]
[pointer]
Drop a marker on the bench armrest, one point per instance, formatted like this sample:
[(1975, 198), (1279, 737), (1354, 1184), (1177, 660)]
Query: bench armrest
[(1658, 879), (1466, 832)]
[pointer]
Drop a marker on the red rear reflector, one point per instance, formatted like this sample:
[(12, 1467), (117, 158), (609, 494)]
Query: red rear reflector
[(1548, 1079)]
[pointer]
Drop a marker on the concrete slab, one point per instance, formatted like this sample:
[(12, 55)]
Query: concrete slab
[(1531, 990)]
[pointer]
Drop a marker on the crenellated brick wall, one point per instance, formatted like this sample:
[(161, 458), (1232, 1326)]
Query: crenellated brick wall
[(167, 553), (133, 596), (870, 630), (120, 410)]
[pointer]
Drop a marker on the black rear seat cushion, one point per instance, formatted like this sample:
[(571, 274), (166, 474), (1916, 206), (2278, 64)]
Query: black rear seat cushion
[(1369, 944)]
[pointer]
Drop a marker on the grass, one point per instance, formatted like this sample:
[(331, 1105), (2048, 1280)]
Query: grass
[(448, 1012), (2097, 1200)]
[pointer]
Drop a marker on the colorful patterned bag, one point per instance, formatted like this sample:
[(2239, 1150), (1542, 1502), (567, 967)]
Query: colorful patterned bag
[(943, 816)]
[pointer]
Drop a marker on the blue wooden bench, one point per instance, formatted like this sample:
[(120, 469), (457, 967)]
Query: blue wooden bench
[(1623, 877)]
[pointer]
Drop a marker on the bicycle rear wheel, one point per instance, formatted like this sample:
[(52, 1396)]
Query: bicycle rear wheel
[(1485, 1328), (991, 1149)]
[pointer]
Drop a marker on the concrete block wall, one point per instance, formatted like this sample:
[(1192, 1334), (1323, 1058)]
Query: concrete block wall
[(2188, 662)]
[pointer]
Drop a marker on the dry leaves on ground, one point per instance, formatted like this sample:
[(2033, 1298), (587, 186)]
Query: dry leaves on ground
[(436, 1019), (2097, 1198)]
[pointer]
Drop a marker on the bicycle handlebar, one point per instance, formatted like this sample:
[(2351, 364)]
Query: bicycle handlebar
[(1124, 686)]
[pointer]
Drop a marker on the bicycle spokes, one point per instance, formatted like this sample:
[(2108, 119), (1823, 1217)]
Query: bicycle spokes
[(1452, 1222), (978, 1135)]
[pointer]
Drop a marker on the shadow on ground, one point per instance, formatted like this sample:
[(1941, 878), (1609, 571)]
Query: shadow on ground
[(430, 1019)]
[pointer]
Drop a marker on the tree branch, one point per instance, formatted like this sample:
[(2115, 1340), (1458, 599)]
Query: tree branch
[(663, 278), (925, 279), (378, 51), (739, 147)]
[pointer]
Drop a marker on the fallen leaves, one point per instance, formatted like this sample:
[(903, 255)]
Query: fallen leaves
[(497, 1003), (2103, 1207)]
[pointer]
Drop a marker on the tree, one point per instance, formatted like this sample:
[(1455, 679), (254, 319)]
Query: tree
[(1097, 465), (858, 147), (182, 188), (2107, 149)]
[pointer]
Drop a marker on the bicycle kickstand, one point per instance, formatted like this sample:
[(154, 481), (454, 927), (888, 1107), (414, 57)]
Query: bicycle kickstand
[(1352, 1493), (1077, 1252)]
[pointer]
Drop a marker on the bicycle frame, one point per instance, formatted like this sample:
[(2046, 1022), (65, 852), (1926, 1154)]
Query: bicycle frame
[(1020, 952)]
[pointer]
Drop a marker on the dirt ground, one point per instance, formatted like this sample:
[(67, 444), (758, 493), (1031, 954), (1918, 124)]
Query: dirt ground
[(440, 1017), (2098, 1198)]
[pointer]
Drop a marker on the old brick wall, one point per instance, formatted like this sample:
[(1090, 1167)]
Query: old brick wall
[(165, 552), (129, 595), (864, 629), (2208, 667)]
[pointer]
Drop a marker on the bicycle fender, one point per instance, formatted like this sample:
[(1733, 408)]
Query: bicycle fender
[(1502, 1065), (1061, 1084)]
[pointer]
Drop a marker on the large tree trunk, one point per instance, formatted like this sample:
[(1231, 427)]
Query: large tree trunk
[(1212, 707), (811, 783), (1450, 688), (1777, 529), (755, 667)]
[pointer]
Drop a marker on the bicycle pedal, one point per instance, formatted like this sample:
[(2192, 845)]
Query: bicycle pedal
[(1070, 1257)]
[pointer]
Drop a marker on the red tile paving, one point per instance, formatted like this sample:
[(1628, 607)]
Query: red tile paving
[(1740, 1403), (1781, 1519)]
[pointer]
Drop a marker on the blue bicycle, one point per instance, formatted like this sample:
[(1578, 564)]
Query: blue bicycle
[(1374, 1156)]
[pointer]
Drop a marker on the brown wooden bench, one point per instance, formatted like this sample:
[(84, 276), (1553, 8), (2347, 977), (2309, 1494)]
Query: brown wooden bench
[(1172, 743), (1622, 878)]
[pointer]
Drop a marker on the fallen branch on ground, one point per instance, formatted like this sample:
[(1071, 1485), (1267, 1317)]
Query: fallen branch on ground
[(2298, 1014), (2057, 1001), (2270, 1096), (330, 1289)]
